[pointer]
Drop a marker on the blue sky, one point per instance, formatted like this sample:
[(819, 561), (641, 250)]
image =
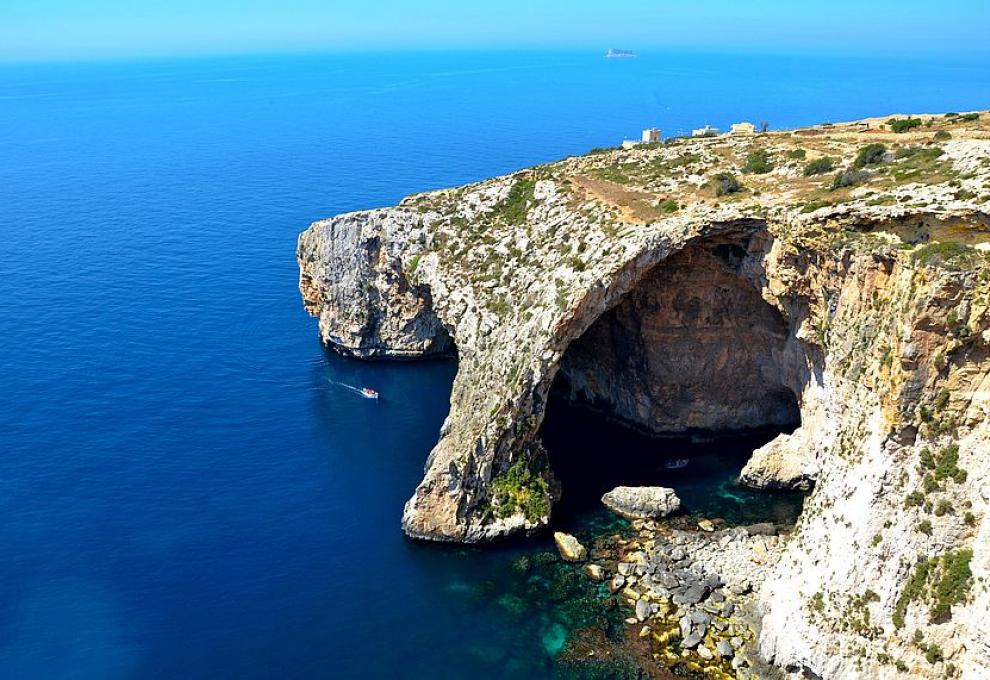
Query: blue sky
[(96, 29)]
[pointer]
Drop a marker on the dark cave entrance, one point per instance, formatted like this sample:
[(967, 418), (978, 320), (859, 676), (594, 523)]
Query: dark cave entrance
[(692, 364)]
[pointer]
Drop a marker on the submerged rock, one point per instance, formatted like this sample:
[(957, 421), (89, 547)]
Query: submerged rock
[(569, 547), (595, 572), (642, 502)]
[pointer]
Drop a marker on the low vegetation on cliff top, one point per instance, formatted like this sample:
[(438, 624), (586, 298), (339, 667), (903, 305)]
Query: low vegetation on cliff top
[(597, 199)]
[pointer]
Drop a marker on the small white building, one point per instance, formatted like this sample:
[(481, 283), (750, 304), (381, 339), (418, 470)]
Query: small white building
[(707, 131), (652, 136), (630, 143), (743, 129)]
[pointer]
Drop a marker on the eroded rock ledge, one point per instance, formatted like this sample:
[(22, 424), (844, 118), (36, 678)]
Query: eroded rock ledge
[(860, 309)]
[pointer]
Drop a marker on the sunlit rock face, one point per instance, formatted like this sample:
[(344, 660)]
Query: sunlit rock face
[(692, 347), (673, 307)]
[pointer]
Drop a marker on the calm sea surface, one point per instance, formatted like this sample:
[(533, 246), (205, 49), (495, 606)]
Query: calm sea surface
[(184, 490)]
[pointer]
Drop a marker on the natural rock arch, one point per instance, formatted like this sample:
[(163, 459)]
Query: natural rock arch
[(454, 502)]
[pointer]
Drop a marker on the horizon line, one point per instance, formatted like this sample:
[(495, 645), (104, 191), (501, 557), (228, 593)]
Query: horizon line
[(653, 50)]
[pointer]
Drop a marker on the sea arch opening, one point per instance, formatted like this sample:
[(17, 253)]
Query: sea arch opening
[(692, 363)]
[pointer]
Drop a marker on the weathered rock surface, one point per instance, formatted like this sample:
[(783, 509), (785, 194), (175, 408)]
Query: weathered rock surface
[(642, 502), (863, 321), (569, 547), (661, 358), (786, 463), (352, 276)]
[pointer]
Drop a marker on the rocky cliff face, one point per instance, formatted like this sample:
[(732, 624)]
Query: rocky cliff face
[(352, 276), (855, 304), (663, 358)]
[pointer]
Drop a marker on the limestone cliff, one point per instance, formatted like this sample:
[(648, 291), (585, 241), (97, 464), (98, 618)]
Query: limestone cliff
[(830, 279)]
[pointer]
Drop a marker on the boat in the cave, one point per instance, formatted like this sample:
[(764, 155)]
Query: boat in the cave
[(675, 463), (368, 393)]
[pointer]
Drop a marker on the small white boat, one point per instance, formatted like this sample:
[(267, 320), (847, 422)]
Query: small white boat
[(368, 393), (676, 463)]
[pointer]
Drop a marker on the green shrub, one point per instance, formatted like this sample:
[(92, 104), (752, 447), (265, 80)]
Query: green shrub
[(924, 527), (516, 205), (797, 154), (969, 116), (414, 264), (943, 253), (944, 507), (953, 582), (947, 466), (849, 178), (942, 400), (914, 499), (669, 206), (871, 154), (913, 589), (819, 166), (726, 183), (933, 654), (758, 163), (900, 125), (519, 488), (946, 580), (926, 458), (970, 519), (942, 135), (921, 154)]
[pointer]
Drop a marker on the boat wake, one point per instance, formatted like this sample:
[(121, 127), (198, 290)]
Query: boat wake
[(363, 392)]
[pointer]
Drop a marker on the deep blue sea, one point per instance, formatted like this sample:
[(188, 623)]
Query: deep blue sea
[(184, 491)]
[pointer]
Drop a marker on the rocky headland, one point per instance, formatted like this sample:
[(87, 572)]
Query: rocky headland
[(833, 281)]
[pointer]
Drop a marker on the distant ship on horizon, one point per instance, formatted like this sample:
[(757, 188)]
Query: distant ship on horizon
[(620, 54)]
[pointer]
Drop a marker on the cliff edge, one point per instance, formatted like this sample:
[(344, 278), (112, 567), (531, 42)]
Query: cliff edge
[(836, 278)]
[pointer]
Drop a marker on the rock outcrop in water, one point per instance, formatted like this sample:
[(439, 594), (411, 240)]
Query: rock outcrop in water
[(852, 305), (641, 502)]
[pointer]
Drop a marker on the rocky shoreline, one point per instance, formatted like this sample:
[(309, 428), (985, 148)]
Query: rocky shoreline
[(689, 589)]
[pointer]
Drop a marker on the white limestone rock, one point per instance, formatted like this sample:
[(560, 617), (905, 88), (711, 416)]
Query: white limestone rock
[(642, 502)]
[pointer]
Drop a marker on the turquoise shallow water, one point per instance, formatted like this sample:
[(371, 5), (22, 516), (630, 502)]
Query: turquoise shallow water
[(184, 491)]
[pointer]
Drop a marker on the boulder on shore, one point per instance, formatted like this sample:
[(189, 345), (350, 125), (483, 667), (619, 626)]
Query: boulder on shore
[(569, 547), (595, 572), (641, 502)]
